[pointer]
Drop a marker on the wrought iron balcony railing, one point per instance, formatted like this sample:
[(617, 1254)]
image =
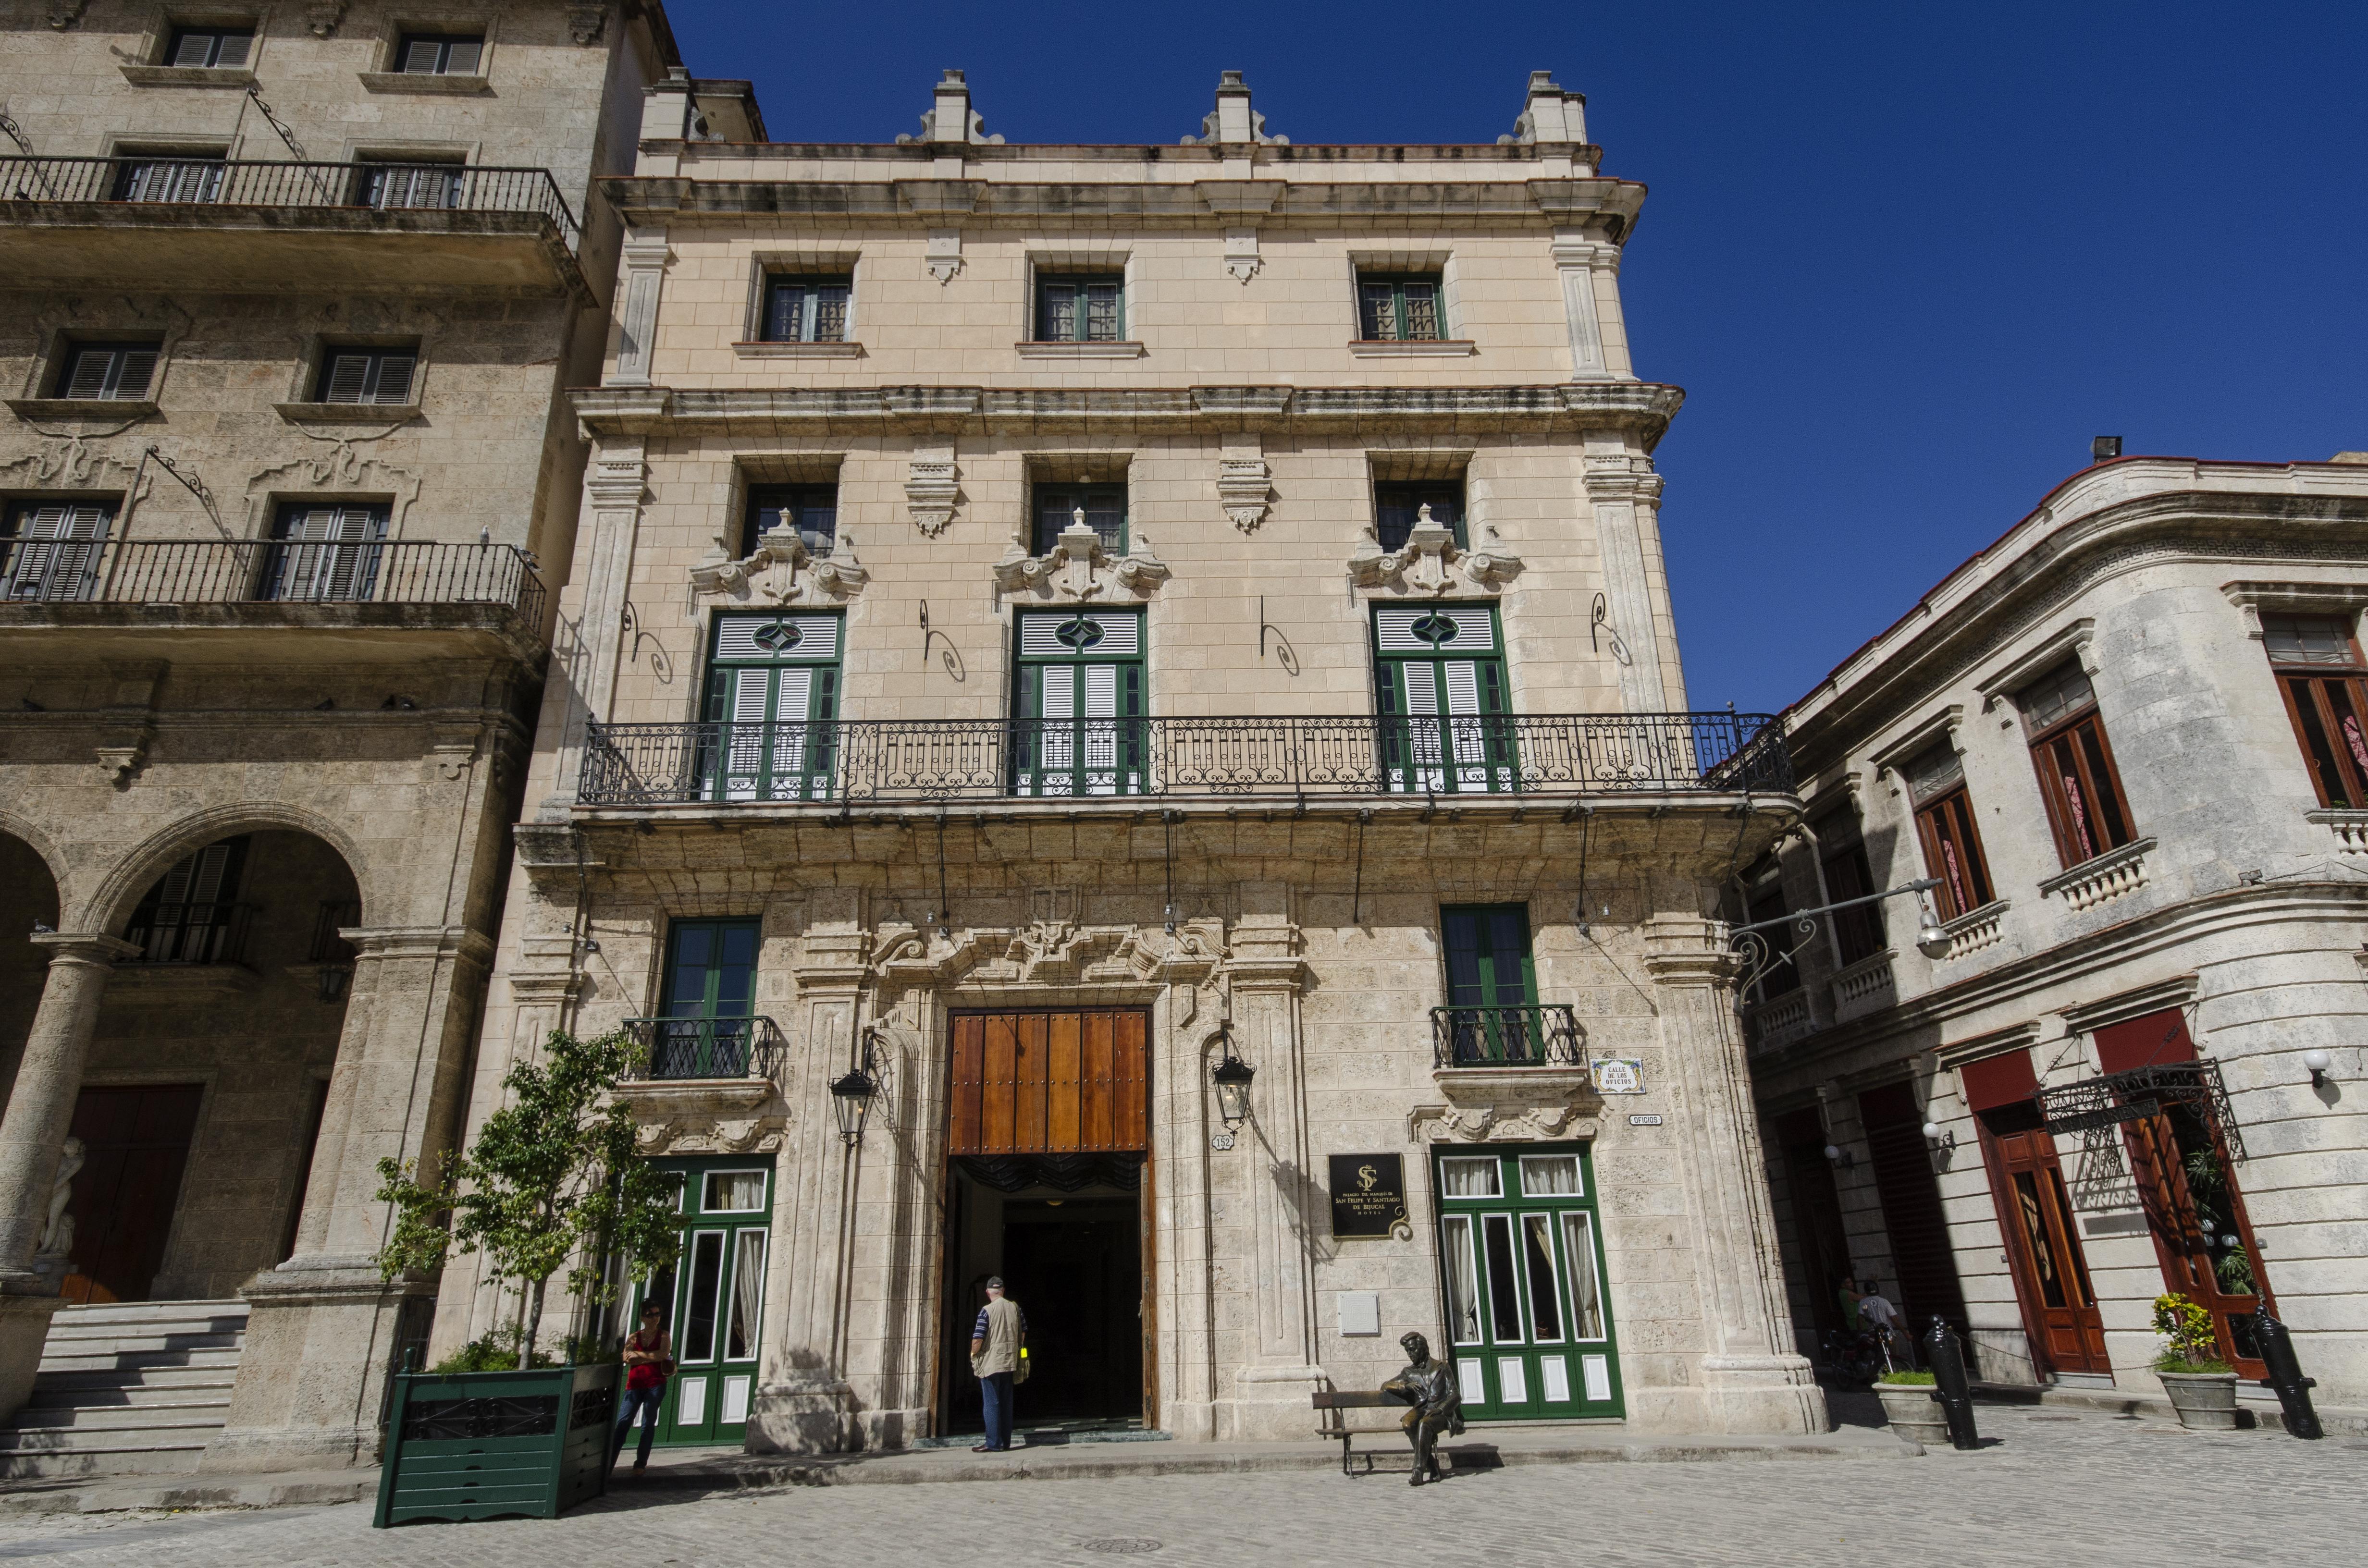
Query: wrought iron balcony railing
[(1539, 1034), (218, 571), (189, 933), (942, 759), (705, 1048), (221, 182)]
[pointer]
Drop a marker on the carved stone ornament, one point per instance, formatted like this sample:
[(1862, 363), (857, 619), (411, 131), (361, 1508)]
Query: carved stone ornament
[(119, 763), (1526, 1116), (1242, 487), (323, 15), (1080, 568), (782, 572), (1047, 952), (1242, 254), (1429, 563), (944, 257), (741, 1135), (929, 490), (63, 16), (584, 22)]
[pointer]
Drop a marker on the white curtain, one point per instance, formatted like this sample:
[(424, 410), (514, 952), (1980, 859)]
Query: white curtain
[(1462, 1291), (1468, 1178), (747, 1295)]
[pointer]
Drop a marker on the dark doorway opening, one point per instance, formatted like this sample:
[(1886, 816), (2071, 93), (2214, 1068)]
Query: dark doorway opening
[(135, 1147)]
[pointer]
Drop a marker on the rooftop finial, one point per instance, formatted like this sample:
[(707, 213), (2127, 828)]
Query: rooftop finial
[(1232, 121), (1548, 114), (949, 117)]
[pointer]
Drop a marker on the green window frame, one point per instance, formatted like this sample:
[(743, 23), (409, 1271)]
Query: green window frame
[(1398, 504), (1079, 702), (1081, 307), (707, 1000), (713, 1297), (805, 308), (772, 707), (1523, 1283), (1401, 307), (1492, 984), (1055, 508), (1443, 698)]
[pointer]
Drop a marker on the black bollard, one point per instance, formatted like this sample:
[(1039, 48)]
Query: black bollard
[(1950, 1387), (2286, 1373)]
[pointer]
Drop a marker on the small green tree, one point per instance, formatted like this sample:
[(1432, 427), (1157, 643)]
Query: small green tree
[(554, 1175)]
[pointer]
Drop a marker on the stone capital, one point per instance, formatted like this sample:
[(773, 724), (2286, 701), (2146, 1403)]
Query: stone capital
[(374, 942), (1686, 949), (84, 948)]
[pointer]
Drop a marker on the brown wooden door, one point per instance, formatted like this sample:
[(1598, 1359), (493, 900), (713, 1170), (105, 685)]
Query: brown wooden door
[(1050, 1082), (135, 1143), (2051, 1273)]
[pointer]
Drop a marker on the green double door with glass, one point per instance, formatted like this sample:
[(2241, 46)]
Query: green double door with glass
[(1445, 720), (714, 1299), (1079, 703), (1529, 1323), (772, 707)]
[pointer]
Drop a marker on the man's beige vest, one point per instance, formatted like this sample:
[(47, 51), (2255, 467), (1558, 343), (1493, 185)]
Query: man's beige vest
[(1002, 1352)]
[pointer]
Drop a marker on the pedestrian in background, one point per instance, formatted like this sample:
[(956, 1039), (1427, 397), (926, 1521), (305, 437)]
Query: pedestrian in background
[(996, 1343), (649, 1362)]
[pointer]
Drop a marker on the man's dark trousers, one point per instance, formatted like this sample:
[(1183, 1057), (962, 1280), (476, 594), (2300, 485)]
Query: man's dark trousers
[(996, 1390)]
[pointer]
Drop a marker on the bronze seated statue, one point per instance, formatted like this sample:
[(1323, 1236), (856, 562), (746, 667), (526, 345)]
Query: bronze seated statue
[(1435, 1405)]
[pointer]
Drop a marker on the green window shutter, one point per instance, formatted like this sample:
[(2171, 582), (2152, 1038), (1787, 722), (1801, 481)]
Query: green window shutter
[(1080, 310), (1440, 675), (772, 693), (1079, 702)]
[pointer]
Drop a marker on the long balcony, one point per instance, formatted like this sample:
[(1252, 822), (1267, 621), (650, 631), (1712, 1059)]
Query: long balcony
[(1532, 1034), (852, 762), (387, 598), (214, 222)]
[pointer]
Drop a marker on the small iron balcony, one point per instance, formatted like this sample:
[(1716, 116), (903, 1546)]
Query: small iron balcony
[(705, 1048), (1538, 1034), (884, 761)]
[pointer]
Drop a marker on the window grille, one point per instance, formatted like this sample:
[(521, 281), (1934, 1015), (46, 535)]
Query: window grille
[(806, 310), (1400, 309)]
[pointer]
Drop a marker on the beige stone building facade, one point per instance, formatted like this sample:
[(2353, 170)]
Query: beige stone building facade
[(287, 482), (1058, 630), (2126, 740)]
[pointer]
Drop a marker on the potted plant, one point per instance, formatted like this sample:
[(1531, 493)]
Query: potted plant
[(554, 1180), (1911, 1403), (2203, 1388)]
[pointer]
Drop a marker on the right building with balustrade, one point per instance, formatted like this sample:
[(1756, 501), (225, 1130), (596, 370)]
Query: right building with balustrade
[(2118, 1052)]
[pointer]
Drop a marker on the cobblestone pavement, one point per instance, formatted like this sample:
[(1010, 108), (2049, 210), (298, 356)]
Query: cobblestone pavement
[(2048, 1488)]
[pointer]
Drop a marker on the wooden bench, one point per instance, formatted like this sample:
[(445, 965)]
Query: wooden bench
[(1333, 1406)]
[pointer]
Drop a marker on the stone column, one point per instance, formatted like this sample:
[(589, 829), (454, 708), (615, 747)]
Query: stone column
[(586, 663), (1271, 1327), (32, 1133), (1625, 492), (1749, 1383), (321, 1326)]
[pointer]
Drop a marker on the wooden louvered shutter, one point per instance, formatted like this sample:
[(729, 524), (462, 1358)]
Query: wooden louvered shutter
[(90, 373), (462, 55), (419, 56), (394, 379), (232, 51), (56, 552), (134, 368), (194, 48), (347, 375)]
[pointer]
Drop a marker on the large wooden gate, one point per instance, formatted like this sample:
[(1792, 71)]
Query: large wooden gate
[(1049, 1082)]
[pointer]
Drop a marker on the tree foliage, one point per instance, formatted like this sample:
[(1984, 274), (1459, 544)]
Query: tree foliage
[(555, 1181)]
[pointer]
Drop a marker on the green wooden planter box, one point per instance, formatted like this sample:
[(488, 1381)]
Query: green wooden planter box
[(495, 1444)]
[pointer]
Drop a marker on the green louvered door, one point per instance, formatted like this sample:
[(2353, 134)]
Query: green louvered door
[(772, 703), (1079, 706), (1441, 678)]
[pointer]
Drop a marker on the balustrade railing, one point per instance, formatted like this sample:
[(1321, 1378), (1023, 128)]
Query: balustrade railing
[(705, 1048), (225, 182), (1537, 1034), (724, 762), (267, 571)]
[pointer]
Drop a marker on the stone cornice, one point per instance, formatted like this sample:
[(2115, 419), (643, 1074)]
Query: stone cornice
[(1643, 407), (1199, 203)]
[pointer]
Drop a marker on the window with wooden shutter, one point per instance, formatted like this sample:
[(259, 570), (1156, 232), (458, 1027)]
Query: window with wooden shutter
[(215, 48), (1079, 703), (168, 177), (191, 915), (1440, 675), (1848, 875), (1084, 308), (1400, 308), (2077, 777), (1057, 508), (1398, 506), (325, 553), (439, 55), (390, 187), (799, 309), (53, 550), (810, 511), (107, 371), (772, 704), (2319, 672), (367, 375), (1944, 825)]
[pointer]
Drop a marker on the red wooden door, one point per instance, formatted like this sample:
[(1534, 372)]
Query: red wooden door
[(2050, 1271), (135, 1143)]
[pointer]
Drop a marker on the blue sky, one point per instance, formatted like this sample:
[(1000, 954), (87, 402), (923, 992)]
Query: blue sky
[(1905, 259)]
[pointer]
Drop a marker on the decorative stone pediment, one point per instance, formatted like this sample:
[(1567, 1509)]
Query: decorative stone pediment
[(1047, 952), (1431, 562), (1080, 568), (782, 572), (705, 1116), (1508, 1105)]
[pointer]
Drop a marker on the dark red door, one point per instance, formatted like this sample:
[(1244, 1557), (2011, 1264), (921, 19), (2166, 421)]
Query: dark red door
[(2051, 1273), (135, 1146)]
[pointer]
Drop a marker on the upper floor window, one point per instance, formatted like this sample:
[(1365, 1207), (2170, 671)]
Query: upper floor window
[(1439, 682), (806, 309), (367, 375), (2077, 775), (811, 511), (173, 177), (1944, 825), (1081, 309), (1399, 309), (2320, 670), (1398, 506), (1079, 701), (51, 550), (107, 371), (1104, 506), (1858, 930), (393, 184), (327, 553), (439, 55), (221, 47)]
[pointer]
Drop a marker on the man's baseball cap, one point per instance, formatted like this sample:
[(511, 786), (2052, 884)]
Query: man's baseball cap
[(995, 1281)]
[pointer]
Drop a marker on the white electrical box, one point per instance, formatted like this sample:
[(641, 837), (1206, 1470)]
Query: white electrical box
[(1360, 1311)]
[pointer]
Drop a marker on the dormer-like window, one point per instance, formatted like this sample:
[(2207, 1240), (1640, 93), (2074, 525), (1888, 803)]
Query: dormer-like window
[(439, 55), (210, 47)]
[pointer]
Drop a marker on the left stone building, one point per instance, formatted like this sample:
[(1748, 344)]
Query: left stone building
[(293, 291)]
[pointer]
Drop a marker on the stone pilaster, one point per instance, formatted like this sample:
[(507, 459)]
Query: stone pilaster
[(1749, 1383), (1625, 492), (614, 484), (1578, 262), (641, 273)]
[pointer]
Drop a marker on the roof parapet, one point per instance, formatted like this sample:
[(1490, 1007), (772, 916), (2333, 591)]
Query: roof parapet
[(1548, 114), (950, 117), (1232, 121)]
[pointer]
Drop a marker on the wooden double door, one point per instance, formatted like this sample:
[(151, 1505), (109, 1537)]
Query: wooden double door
[(135, 1147), (2050, 1271)]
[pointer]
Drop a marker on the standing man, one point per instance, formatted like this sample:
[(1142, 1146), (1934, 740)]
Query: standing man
[(996, 1343), (649, 1362)]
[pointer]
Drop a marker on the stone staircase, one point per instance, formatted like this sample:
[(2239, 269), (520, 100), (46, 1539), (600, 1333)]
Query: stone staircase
[(131, 1388)]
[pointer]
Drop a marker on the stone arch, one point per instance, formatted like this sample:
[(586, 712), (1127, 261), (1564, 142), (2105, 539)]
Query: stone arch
[(109, 906), (18, 826)]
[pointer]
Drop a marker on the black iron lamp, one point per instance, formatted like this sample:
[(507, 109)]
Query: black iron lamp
[(1232, 1076), (852, 1096)]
